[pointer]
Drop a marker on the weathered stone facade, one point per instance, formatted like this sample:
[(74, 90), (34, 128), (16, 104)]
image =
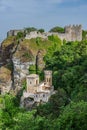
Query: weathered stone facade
[(14, 32), (13, 69), (72, 33), (5, 80), (39, 92), (20, 70), (40, 64)]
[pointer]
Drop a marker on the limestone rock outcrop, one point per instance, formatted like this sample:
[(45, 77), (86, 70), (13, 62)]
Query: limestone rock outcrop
[(39, 60), (5, 80), (15, 59), (21, 69)]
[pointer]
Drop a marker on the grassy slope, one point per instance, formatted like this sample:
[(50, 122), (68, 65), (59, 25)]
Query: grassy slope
[(8, 41), (34, 47), (31, 47), (5, 74), (26, 46), (29, 44)]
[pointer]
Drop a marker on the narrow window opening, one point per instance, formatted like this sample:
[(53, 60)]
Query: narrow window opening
[(30, 82), (43, 95), (36, 81)]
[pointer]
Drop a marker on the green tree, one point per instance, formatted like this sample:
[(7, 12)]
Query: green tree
[(84, 35), (20, 35), (56, 45), (57, 101), (30, 29), (38, 40), (68, 65), (9, 111), (57, 29), (74, 117), (41, 30), (32, 69), (54, 106)]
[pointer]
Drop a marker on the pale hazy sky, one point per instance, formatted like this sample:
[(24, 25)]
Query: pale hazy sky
[(17, 14)]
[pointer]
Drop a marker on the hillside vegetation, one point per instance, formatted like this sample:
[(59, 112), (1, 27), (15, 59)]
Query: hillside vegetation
[(8, 41), (65, 110), (32, 45)]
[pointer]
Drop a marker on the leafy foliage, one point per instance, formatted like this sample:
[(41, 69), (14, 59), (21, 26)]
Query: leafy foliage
[(56, 45), (74, 117), (55, 104), (57, 29), (32, 69), (9, 111), (38, 40), (20, 35), (67, 108), (69, 67), (41, 30), (84, 35), (30, 29)]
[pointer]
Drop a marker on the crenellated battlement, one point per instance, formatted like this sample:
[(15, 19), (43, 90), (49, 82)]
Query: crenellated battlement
[(14, 32), (73, 28), (71, 33), (74, 32)]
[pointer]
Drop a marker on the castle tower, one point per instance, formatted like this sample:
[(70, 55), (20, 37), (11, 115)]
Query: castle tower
[(32, 83), (76, 34), (68, 29), (48, 77)]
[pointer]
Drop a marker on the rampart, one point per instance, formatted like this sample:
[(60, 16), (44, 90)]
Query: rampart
[(71, 33), (14, 32)]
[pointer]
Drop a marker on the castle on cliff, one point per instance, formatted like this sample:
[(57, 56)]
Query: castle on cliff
[(71, 33), (39, 91)]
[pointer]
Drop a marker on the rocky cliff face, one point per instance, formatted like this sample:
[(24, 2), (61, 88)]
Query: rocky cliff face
[(39, 60), (12, 68), (5, 80), (21, 69), (15, 59)]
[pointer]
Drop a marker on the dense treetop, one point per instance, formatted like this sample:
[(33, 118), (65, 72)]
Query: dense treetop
[(57, 29), (65, 110)]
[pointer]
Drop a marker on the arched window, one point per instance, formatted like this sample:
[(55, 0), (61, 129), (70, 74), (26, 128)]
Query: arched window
[(47, 80), (36, 81), (43, 95), (30, 82)]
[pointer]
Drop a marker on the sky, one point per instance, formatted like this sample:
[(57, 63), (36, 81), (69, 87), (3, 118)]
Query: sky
[(18, 14)]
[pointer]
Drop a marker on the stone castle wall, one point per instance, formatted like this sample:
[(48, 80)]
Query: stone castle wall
[(14, 32), (72, 33)]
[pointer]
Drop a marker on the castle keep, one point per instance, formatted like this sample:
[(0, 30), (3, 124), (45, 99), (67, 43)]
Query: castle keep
[(71, 33), (39, 91)]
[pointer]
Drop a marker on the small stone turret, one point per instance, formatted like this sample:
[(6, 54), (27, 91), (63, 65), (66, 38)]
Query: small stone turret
[(14, 32), (48, 77), (74, 32), (68, 29), (32, 83), (38, 92)]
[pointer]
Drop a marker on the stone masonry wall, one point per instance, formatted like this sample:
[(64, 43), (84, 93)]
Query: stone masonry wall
[(72, 33)]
